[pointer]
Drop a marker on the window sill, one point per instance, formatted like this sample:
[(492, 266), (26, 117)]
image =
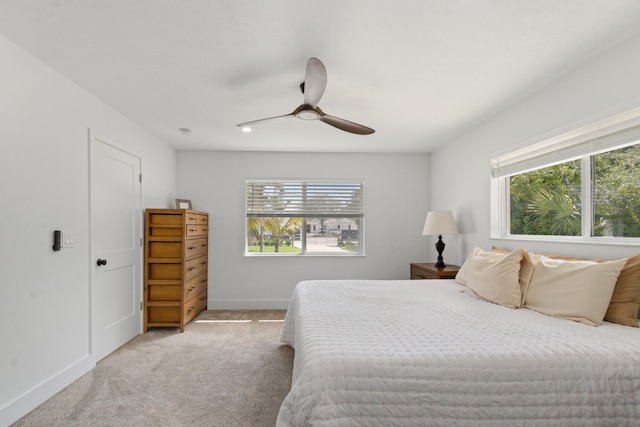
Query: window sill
[(298, 255), (610, 241)]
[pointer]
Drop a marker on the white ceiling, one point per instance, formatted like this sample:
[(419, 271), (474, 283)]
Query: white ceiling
[(418, 72)]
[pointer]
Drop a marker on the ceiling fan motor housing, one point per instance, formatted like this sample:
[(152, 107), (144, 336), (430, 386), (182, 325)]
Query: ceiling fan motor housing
[(308, 115)]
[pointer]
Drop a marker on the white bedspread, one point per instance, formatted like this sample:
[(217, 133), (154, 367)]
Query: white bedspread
[(423, 353)]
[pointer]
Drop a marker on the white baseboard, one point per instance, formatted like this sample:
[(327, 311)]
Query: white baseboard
[(22, 405), (247, 304)]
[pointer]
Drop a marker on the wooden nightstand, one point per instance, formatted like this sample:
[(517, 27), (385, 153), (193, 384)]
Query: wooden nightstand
[(422, 271)]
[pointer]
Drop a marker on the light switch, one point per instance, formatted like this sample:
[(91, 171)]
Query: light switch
[(68, 239)]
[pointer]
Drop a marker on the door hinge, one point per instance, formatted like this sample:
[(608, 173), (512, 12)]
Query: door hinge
[(141, 242), (141, 306), (140, 177)]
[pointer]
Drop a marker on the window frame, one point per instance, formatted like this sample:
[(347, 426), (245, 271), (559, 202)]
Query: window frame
[(610, 134), (358, 218)]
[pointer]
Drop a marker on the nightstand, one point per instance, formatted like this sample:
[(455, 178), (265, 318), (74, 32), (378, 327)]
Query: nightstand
[(422, 271)]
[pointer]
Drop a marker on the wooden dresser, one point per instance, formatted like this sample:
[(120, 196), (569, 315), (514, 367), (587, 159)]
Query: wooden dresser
[(175, 266)]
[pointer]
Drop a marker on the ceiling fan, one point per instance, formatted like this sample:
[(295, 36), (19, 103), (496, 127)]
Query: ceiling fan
[(312, 89)]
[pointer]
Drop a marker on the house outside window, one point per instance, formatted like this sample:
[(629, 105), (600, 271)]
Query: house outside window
[(304, 217), (582, 186)]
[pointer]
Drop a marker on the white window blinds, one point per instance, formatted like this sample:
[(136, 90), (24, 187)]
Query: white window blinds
[(289, 198), (617, 131)]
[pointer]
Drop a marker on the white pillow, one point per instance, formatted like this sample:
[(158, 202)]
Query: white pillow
[(496, 279), (576, 290)]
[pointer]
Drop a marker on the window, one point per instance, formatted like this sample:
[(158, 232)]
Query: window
[(287, 217), (615, 189), (546, 201), (584, 185)]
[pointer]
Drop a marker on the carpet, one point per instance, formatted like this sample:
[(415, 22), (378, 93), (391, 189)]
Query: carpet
[(228, 368)]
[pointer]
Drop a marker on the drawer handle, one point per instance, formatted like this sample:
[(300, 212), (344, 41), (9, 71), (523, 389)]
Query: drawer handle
[(193, 229), (204, 245), (192, 268), (191, 247), (192, 218), (203, 281), (203, 263), (191, 288), (203, 298), (420, 276)]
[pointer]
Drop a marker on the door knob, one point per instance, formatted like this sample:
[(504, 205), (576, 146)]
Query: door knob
[(101, 262)]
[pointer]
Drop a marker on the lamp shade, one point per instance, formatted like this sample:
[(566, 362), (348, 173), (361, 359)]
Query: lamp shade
[(440, 222)]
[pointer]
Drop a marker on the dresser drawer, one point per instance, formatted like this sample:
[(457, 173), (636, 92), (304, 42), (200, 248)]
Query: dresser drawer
[(195, 306), (197, 230), (195, 247), (195, 267), (194, 218), (419, 274), (195, 286), (428, 271)]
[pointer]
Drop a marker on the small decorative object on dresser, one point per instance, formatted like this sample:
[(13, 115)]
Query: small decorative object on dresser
[(175, 266), (422, 271), (183, 204)]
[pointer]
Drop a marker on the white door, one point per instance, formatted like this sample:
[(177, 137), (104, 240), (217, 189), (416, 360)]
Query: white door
[(116, 217)]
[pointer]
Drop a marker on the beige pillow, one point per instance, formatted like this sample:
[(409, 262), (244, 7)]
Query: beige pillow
[(526, 269), (575, 290), (625, 301), (496, 279), (463, 274)]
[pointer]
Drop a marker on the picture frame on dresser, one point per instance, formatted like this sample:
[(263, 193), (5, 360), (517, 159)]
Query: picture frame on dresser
[(183, 204)]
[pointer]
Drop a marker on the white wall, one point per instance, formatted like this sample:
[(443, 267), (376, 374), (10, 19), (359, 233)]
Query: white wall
[(396, 203), (605, 85), (44, 295)]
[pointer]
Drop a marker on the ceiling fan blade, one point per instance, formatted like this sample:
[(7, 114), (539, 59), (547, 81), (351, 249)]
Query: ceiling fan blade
[(345, 125), (255, 122), (315, 82)]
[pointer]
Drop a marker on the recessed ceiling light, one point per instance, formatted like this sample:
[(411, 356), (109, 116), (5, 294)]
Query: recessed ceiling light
[(246, 129), (185, 131)]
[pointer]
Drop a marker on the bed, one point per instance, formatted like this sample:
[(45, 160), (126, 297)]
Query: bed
[(431, 353)]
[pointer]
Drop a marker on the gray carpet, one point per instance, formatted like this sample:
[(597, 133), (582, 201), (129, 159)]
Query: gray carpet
[(227, 369)]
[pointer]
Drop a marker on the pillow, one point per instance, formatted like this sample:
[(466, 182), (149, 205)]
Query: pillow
[(463, 273), (526, 269), (576, 290), (496, 279), (625, 301)]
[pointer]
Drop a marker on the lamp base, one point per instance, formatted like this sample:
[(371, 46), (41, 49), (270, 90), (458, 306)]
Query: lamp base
[(440, 248)]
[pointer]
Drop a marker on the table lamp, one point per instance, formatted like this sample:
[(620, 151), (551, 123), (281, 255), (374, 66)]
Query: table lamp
[(439, 223)]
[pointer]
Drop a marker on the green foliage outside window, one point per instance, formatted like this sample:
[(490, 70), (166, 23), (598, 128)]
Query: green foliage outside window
[(616, 192), (548, 201)]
